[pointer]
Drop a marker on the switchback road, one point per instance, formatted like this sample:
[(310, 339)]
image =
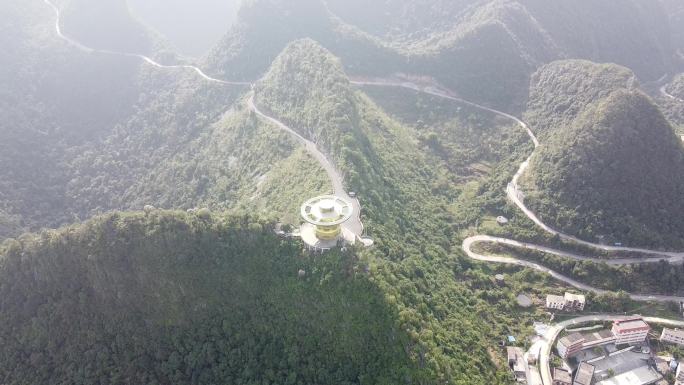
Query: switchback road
[(354, 224), (514, 194)]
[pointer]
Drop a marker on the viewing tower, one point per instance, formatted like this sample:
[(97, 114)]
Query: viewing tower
[(324, 217)]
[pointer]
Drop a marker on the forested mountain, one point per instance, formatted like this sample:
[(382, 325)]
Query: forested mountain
[(97, 132), (562, 90), (610, 165), (207, 294), (166, 297), (54, 97), (676, 88), (672, 104), (486, 50)]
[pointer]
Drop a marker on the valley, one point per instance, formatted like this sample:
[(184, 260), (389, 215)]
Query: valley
[(222, 152)]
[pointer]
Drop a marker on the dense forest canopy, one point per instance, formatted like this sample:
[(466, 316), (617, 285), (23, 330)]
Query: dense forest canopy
[(487, 50), (587, 178), (209, 294), (165, 297)]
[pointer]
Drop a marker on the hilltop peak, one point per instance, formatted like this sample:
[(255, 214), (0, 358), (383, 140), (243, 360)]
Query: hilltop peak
[(613, 172), (306, 87)]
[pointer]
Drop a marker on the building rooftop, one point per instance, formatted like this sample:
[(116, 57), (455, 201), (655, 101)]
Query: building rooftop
[(600, 335), (640, 376), (513, 353), (575, 297), (571, 339), (632, 324), (674, 332), (585, 373), (562, 375), (555, 298), (620, 362)]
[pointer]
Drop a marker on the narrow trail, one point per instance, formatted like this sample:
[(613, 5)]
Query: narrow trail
[(514, 193), (355, 225)]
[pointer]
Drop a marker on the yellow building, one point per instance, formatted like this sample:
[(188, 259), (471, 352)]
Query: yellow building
[(325, 216)]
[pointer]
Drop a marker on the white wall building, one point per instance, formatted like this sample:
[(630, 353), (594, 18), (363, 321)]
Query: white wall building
[(630, 331), (555, 302), (570, 345), (673, 336), (568, 302), (679, 377), (575, 301)]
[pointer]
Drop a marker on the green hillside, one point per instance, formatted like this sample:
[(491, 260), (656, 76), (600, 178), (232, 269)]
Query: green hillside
[(307, 88), (560, 91), (486, 50), (93, 133), (175, 298), (407, 193), (612, 172), (54, 98), (197, 289)]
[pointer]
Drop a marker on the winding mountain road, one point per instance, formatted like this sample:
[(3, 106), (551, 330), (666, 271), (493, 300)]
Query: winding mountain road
[(146, 59), (355, 225), (514, 194)]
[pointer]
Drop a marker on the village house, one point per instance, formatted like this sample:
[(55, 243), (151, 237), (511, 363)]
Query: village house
[(568, 302)]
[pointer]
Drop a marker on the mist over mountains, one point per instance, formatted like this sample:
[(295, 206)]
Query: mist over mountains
[(145, 174)]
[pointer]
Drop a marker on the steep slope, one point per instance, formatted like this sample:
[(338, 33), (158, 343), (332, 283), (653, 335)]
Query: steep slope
[(486, 50), (173, 298), (613, 173), (307, 87), (89, 133), (265, 27), (488, 55), (560, 91), (675, 11), (405, 194), (53, 98), (673, 104), (676, 88), (631, 33), (402, 19)]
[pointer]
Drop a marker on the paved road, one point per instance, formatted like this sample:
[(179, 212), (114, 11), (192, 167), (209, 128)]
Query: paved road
[(515, 195), (513, 190), (354, 224), (469, 242), (553, 332), (146, 59)]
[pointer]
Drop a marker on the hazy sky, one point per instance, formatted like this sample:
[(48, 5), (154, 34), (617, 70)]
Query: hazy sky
[(194, 26)]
